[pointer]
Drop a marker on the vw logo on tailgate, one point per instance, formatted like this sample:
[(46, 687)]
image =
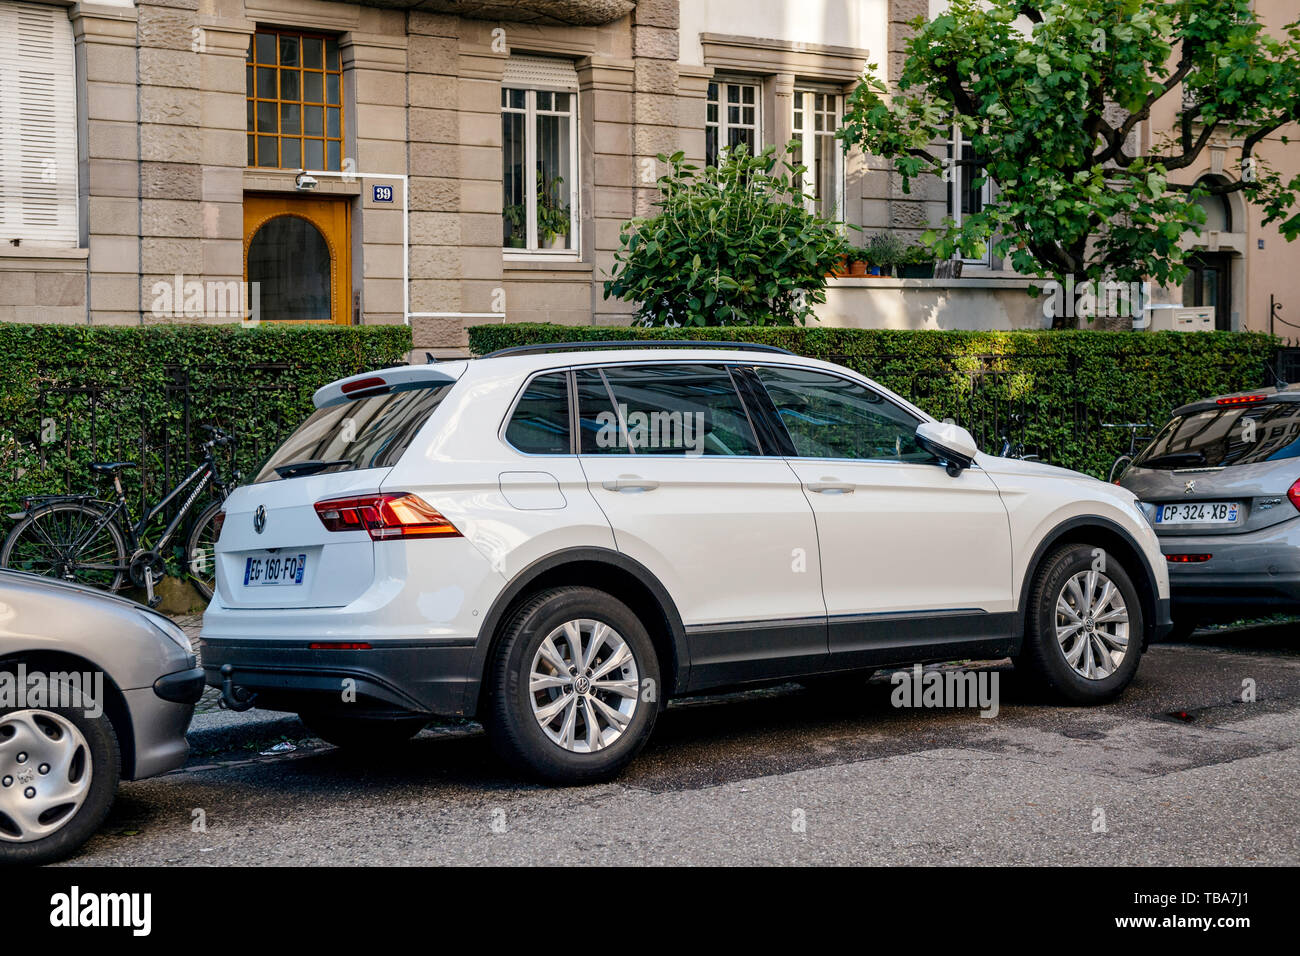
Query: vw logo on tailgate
[(259, 519)]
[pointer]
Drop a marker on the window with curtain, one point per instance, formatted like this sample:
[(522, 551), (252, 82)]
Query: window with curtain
[(731, 118), (539, 174), (38, 126), (817, 117), (295, 101)]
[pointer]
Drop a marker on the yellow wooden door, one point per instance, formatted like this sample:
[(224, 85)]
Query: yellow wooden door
[(299, 252)]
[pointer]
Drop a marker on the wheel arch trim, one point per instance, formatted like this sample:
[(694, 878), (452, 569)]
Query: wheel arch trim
[(520, 584), (1149, 593)]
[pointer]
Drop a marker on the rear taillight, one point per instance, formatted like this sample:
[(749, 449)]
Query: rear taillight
[(1240, 399), (1294, 494), (1187, 558), (385, 517), (217, 522)]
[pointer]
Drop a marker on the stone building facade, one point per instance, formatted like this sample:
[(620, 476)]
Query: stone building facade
[(438, 162)]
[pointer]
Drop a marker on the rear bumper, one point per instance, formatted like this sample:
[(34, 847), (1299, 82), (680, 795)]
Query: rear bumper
[(392, 677), (1260, 569)]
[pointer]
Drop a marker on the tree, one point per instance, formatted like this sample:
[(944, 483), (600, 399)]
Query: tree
[(730, 245), (1051, 114)]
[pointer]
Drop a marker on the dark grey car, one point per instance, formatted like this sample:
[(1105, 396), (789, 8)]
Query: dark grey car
[(1220, 482), (93, 689)]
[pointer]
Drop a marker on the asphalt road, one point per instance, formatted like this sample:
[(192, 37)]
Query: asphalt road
[(783, 775)]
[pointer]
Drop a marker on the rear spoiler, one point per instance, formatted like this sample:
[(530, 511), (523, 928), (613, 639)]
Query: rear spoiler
[(376, 383), (1259, 396)]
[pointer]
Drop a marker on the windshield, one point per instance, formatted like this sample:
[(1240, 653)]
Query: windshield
[(356, 433), (1226, 436)]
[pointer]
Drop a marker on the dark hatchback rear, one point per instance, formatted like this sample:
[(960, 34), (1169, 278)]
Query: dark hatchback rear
[(1220, 483)]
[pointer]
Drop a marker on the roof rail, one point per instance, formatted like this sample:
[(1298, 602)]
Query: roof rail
[(635, 343)]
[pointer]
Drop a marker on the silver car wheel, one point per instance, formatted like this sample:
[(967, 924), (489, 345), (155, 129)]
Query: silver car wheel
[(583, 685), (1092, 624), (45, 774)]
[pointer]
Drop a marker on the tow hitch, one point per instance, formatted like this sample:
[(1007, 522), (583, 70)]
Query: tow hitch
[(232, 697)]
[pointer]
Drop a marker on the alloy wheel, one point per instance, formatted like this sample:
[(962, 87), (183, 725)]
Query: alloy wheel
[(583, 685), (1092, 624)]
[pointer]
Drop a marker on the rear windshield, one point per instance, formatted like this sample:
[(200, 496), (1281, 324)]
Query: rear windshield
[(356, 433), (1226, 436)]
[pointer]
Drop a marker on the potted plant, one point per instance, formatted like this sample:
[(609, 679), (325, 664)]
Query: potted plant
[(552, 215), (917, 263), (517, 216), (859, 261), (884, 250)]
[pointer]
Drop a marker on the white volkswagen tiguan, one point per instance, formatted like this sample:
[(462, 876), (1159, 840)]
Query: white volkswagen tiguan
[(558, 542)]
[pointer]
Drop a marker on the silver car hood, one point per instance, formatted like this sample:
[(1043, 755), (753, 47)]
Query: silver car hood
[(39, 584)]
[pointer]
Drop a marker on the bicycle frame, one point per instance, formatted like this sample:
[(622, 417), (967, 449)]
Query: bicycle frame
[(202, 475), (199, 479)]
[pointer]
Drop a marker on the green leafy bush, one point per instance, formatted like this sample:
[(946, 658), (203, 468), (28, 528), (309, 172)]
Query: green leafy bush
[(730, 245), (70, 395), (1064, 383)]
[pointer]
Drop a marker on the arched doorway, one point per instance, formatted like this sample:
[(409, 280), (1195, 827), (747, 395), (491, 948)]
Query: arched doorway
[(298, 253)]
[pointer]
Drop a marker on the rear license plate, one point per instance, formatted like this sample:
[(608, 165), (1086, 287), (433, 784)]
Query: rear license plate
[(275, 570), (1198, 512)]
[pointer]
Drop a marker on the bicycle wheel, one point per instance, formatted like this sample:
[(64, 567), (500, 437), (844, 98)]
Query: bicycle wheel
[(69, 540), (201, 552), (1118, 467)]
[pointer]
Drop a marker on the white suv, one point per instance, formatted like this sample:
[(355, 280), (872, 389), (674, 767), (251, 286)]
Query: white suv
[(558, 542)]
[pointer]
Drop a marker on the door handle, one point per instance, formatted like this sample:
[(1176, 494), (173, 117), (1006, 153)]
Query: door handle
[(629, 483), (831, 486)]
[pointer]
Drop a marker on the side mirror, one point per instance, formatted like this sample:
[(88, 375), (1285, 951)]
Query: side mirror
[(952, 443)]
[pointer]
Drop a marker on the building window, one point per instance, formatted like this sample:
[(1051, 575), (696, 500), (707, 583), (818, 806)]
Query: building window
[(539, 172), (966, 194), (295, 101), (38, 126), (816, 119), (731, 118)]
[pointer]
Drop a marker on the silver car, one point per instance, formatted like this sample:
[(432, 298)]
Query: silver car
[(1220, 482), (93, 689)]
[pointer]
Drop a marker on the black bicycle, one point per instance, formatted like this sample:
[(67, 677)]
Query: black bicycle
[(1122, 461), (85, 539)]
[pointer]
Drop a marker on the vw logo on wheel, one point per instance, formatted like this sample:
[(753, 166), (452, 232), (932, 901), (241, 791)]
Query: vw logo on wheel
[(259, 519)]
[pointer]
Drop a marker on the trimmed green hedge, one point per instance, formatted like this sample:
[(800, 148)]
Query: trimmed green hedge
[(70, 395), (1064, 384)]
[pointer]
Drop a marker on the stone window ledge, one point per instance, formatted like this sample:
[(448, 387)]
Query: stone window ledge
[(41, 258)]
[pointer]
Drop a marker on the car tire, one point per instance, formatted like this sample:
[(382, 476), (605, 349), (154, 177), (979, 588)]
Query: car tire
[(577, 723), (1059, 647), (89, 745), (361, 733)]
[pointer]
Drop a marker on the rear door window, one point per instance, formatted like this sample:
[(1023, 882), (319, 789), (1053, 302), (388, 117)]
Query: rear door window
[(681, 410), (539, 424), (1216, 437), (353, 434)]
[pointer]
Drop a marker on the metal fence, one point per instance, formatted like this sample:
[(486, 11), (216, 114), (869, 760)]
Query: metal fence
[(158, 426)]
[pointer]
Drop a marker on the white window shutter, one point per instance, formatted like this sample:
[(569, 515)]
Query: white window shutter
[(38, 126), (540, 73)]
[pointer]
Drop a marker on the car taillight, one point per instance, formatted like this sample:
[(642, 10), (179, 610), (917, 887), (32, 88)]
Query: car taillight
[(1294, 494), (1187, 558), (385, 517), (217, 522), (1240, 399)]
